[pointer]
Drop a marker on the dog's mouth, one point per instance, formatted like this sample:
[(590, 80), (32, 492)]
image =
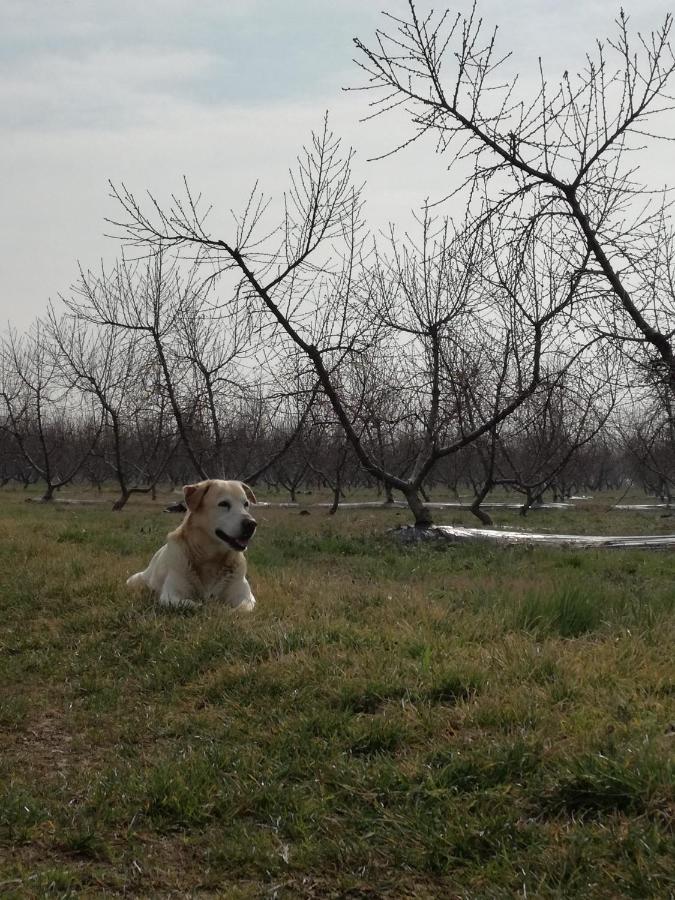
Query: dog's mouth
[(239, 544)]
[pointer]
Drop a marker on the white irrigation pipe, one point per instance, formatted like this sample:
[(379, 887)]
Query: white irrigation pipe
[(460, 533)]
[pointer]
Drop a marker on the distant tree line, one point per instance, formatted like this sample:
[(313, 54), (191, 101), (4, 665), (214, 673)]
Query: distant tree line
[(89, 405)]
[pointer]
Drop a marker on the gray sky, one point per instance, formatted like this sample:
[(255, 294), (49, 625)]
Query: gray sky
[(222, 91)]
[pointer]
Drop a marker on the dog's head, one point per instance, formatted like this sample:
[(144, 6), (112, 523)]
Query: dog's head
[(221, 508)]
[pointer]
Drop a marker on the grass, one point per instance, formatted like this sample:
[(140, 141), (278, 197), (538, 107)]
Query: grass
[(471, 721)]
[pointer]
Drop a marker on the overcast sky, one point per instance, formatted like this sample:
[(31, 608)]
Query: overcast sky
[(222, 91)]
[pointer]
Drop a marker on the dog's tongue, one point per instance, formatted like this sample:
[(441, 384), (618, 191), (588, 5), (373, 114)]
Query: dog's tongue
[(235, 543)]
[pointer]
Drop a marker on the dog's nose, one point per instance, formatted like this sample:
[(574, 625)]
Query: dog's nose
[(248, 526)]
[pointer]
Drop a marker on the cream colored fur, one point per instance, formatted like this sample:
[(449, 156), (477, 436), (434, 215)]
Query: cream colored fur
[(203, 559)]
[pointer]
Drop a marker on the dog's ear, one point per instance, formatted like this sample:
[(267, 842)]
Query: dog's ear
[(195, 493), (248, 491)]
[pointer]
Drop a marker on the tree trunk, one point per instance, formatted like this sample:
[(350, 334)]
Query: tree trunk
[(337, 490), (121, 501), (335, 505), (483, 517), (532, 500), (422, 513)]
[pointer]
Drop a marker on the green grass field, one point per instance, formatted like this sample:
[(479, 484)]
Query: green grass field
[(466, 721)]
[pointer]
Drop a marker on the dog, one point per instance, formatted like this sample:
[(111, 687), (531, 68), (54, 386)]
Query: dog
[(203, 559)]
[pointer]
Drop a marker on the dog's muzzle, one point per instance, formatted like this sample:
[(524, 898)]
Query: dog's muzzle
[(246, 533)]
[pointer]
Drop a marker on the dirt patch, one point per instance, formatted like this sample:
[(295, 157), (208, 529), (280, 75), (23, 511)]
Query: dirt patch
[(46, 747)]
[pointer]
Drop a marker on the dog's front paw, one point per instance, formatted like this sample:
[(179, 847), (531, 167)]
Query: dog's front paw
[(247, 605)]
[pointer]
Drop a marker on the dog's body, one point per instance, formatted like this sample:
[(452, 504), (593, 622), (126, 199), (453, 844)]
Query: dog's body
[(203, 559)]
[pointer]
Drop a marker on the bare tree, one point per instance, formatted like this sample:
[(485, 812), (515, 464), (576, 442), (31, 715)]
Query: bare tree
[(565, 151), (218, 351), (648, 434), (54, 429), (147, 299), (548, 432), (120, 376)]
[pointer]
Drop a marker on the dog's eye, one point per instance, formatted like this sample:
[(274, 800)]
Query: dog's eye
[(225, 504), (245, 504)]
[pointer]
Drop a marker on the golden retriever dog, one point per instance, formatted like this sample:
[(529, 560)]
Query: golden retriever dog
[(203, 559)]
